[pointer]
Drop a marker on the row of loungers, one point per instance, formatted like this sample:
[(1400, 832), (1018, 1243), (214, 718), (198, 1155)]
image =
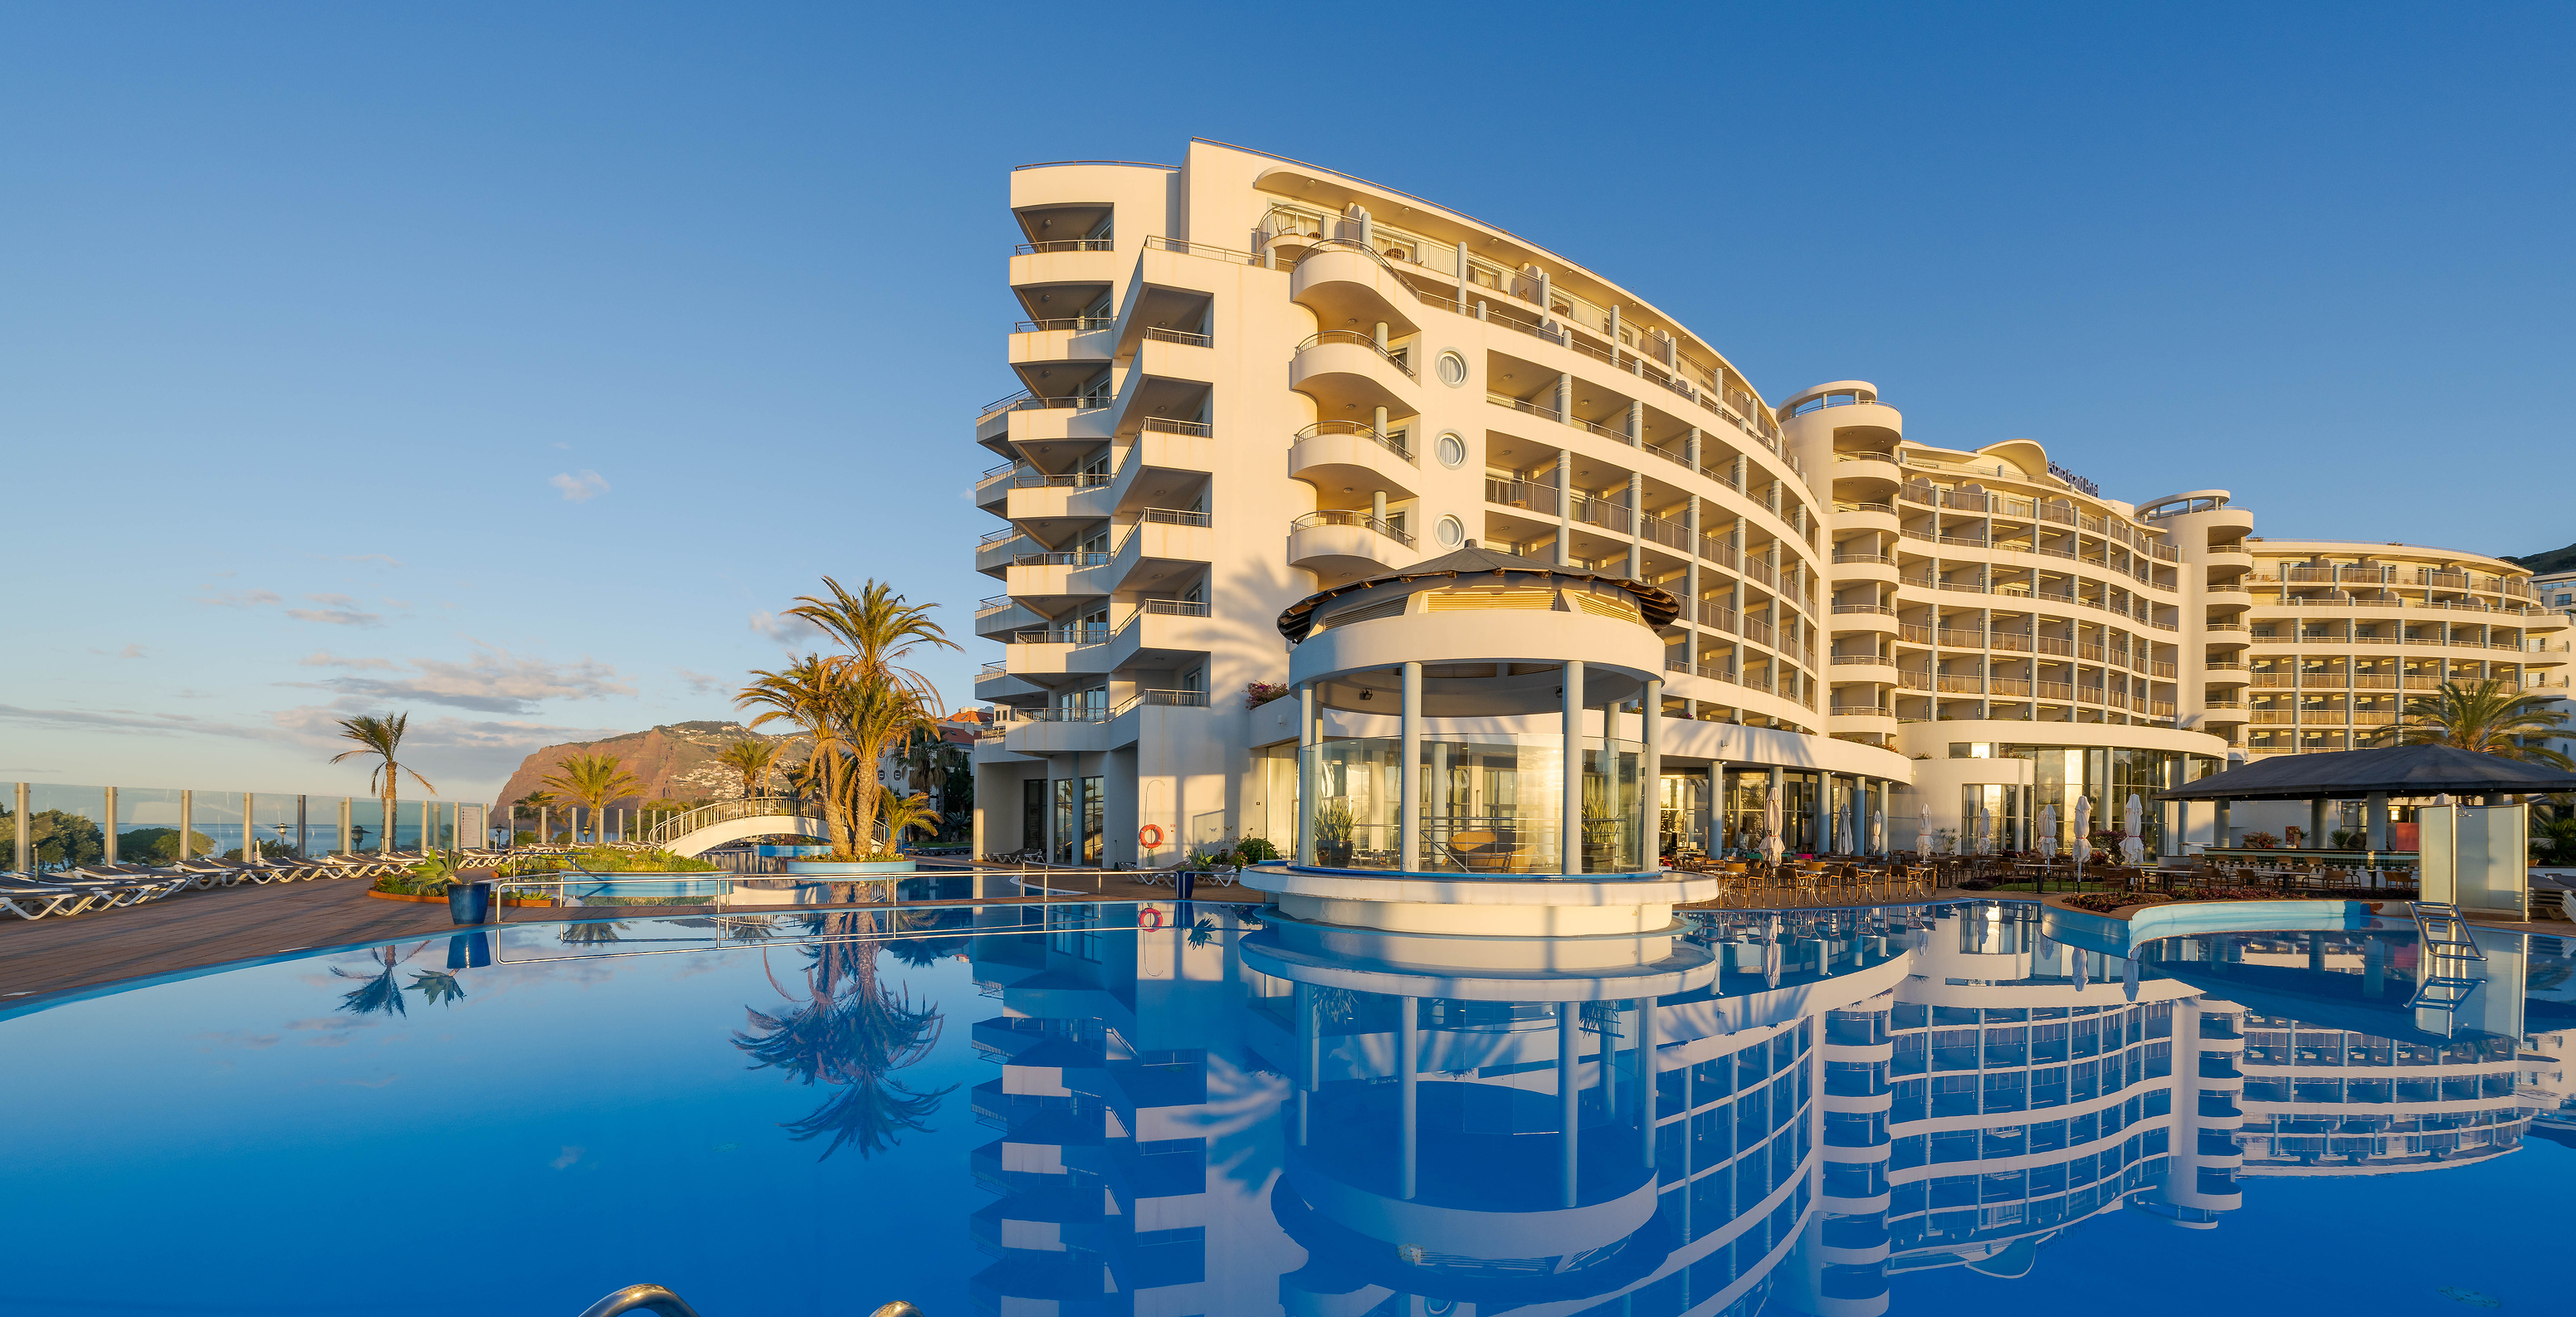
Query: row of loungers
[(81, 888)]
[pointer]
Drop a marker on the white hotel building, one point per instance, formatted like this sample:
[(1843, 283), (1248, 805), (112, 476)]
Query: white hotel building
[(1247, 379)]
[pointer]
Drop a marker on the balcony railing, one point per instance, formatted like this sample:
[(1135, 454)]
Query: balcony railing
[(1331, 517), (1163, 425), (1062, 558), (1183, 337), (1064, 322), (1173, 517), (1173, 608), (1066, 245), (1394, 443), (1035, 479), (1088, 633), (1396, 357)]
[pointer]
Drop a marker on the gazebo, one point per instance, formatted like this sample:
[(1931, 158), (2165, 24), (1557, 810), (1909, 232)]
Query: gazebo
[(1506, 801), (2418, 771)]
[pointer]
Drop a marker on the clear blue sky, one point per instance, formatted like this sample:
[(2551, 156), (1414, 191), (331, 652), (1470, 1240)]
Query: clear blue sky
[(508, 364)]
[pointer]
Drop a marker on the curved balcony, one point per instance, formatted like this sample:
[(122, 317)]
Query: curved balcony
[(1085, 261), (1866, 515), (1841, 668), (1343, 370), (1866, 476), (1864, 566), (1342, 282), (1338, 454), (1069, 340), (1337, 544), (1861, 617)]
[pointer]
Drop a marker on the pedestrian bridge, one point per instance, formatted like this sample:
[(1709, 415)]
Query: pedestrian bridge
[(709, 826)]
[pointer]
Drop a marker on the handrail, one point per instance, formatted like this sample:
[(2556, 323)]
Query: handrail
[(1182, 337), (1066, 245), (1394, 357), (724, 811), (1388, 442), (1064, 322), (642, 1298), (1173, 517), (1194, 429), (1336, 517)]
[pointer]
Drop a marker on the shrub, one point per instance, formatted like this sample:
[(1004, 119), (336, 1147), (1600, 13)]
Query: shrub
[(1258, 693), (1256, 850)]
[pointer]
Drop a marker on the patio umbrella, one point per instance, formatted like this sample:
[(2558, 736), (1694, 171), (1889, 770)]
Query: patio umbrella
[(2048, 832), (2132, 821), (2081, 959), (1771, 827), (2083, 842), (1985, 831), (1878, 833), (1923, 828), (2129, 978)]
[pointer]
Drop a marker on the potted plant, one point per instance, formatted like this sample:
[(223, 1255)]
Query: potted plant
[(2260, 841), (467, 902), (1333, 827)]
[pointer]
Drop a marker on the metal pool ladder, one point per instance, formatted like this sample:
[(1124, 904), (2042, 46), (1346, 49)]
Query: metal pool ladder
[(2442, 979), (660, 1300)]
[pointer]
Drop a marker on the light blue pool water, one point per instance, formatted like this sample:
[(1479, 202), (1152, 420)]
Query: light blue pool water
[(1933, 1110)]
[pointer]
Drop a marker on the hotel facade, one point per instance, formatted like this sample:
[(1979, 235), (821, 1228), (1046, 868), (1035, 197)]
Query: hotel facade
[(1246, 380)]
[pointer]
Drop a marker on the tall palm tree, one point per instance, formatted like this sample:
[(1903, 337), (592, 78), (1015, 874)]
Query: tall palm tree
[(381, 737), (880, 631), (594, 780), (902, 814), (753, 759), (2487, 717), (809, 694)]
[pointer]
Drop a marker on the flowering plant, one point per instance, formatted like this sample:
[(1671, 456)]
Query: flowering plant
[(1258, 693)]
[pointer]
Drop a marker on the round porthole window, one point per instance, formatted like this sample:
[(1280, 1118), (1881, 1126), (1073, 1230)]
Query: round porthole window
[(1451, 532), (1452, 451), (1453, 369)]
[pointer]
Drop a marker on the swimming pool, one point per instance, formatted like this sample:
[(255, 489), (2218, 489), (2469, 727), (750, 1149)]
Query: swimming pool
[(1195, 1109)]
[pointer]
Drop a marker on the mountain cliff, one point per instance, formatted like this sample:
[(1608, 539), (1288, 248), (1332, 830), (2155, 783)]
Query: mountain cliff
[(676, 761), (2556, 560)]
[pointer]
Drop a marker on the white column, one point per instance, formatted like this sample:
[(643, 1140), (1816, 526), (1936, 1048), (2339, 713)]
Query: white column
[(1408, 1061), (1569, 1094), (1651, 771), (110, 828), (250, 841), (187, 820), (1306, 773), (1408, 828), (1646, 1043), (1571, 839), (1564, 502), (24, 860)]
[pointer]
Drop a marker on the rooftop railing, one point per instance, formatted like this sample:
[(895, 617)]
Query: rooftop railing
[(1393, 443)]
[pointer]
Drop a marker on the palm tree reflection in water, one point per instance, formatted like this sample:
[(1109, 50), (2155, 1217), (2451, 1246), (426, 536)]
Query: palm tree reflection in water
[(379, 994), (850, 1032)]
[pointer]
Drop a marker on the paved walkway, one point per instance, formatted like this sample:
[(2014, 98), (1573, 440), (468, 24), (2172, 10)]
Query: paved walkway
[(199, 929)]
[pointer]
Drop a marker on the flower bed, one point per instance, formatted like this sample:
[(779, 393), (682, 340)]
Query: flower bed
[(2103, 903)]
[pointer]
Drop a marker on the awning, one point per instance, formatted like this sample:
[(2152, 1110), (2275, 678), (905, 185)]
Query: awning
[(2403, 770)]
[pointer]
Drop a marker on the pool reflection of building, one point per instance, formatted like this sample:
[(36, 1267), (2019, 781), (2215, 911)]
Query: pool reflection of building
[(1219, 1118)]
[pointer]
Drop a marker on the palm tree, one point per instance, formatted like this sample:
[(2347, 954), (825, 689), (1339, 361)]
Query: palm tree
[(594, 780), (753, 759), (880, 631), (902, 814), (381, 737), (808, 693), (2487, 717)]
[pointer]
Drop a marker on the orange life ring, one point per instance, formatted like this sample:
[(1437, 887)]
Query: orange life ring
[(1150, 837), (1149, 913)]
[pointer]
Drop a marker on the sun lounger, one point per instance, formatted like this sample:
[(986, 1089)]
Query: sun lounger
[(31, 899)]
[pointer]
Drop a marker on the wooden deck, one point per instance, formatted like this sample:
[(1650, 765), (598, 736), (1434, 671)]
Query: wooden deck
[(200, 930)]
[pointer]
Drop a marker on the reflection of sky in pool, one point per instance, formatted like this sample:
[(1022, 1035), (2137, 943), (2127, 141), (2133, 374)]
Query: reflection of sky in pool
[(1868, 1114)]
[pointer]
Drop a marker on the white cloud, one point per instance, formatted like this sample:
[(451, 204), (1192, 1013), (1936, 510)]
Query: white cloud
[(131, 651), (325, 659), (444, 747), (243, 599), (786, 628), (493, 681), (699, 683), (337, 610), (126, 720), (579, 487), (386, 559)]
